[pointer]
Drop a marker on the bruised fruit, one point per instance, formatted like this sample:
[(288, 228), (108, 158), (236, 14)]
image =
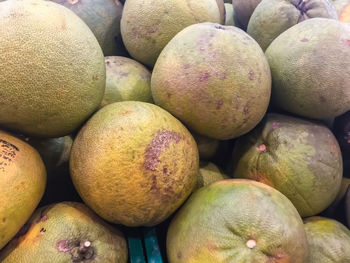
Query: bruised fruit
[(126, 79), (343, 9), (209, 173), (243, 9), (22, 184), (237, 221), (148, 25), (230, 21), (103, 18), (298, 157), (329, 240), (133, 163), (57, 65), (66, 232), (272, 17), (222, 101), (207, 147), (310, 67)]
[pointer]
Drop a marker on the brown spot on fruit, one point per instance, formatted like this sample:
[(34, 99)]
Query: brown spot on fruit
[(63, 246), (95, 77), (204, 76), (44, 218), (155, 148), (261, 148), (187, 66), (42, 230), (322, 99), (179, 255), (304, 40), (219, 105), (251, 75), (4, 220), (245, 110)]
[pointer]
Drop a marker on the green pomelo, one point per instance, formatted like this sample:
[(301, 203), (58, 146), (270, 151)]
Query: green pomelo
[(272, 17), (222, 101), (126, 79), (230, 21), (310, 66), (237, 221), (209, 173), (133, 163), (52, 69), (148, 25), (22, 184), (299, 158), (103, 18), (243, 9), (329, 240), (66, 232)]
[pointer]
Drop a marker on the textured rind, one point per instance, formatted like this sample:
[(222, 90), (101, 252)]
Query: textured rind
[(52, 74), (216, 222), (133, 163), (22, 184), (147, 26), (222, 101), (230, 21), (300, 158), (103, 18), (343, 9), (310, 67), (329, 240), (272, 17), (52, 229), (126, 79)]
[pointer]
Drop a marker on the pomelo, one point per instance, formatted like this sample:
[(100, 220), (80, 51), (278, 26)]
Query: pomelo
[(133, 163), (237, 221), (22, 184), (52, 69), (298, 157), (213, 78)]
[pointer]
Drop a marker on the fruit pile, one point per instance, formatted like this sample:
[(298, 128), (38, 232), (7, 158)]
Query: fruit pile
[(224, 123)]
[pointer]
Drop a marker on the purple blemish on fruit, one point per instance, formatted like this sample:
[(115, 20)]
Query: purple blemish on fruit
[(201, 48), (187, 66), (251, 75), (220, 102), (204, 76), (261, 148), (155, 148), (224, 121), (63, 246), (214, 55), (245, 110), (44, 218), (348, 42), (304, 40), (276, 125), (223, 76)]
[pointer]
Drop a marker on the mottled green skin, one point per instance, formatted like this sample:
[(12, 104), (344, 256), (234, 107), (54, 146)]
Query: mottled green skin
[(216, 222), (302, 160), (209, 173), (207, 147), (126, 79), (272, 17), (103, 18), (310, 67), (215, 79), (329, 240), (243, 11), (230, 20)]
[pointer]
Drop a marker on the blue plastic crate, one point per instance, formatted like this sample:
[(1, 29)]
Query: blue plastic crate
[(143, 245)]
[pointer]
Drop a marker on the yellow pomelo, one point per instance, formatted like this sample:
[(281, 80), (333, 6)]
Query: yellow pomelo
[(52, 68), (22, 184), (133, 163), (148, 25), (66, 232)]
